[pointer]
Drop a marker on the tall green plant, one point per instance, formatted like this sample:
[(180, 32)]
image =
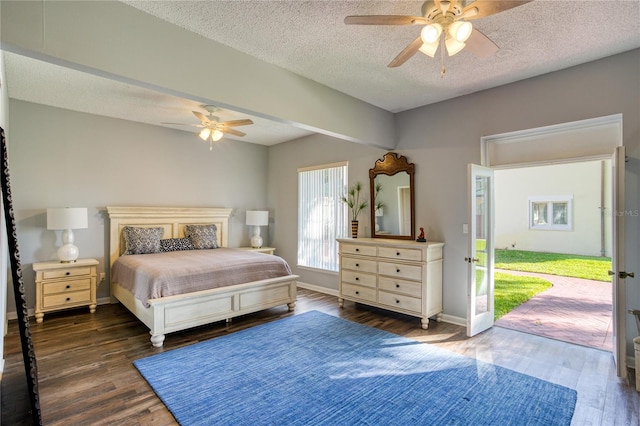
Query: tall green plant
[(377, 204), (352, 199)]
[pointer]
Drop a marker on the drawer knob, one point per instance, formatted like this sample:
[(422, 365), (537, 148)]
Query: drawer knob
[(357, 249), (67, 273), (357, 278), (397, 253), (397, 301), (68, 299), (397, 285), (68, 286), (357, 265), (357, 292), (398, 270)]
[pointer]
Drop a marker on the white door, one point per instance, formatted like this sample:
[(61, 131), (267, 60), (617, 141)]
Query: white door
[(480, 310), (618, 273)]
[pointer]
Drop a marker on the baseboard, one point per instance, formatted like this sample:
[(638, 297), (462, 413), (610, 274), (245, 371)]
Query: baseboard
[(454, 320), (319, 289)]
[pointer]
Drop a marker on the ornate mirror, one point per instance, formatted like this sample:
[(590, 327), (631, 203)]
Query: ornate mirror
[(392, 198)]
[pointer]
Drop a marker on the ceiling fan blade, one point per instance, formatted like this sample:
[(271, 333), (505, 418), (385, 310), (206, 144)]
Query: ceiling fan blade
[(234, 123), (480, 45), (384, 20), (490, 7), (407, 53), (201, 117), (231, 131)]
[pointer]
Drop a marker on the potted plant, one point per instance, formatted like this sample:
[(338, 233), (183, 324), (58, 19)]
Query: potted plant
[(356, 205), (377, 205)]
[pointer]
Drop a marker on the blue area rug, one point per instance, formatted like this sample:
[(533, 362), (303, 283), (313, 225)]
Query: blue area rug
[(316, 369)]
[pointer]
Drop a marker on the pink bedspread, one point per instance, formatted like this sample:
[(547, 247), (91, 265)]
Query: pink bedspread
[(151, 276)]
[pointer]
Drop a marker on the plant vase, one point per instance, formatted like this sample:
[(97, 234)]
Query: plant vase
[(354, 229)]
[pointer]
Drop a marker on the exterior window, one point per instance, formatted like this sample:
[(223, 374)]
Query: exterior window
[(551, 213), (322, 216)]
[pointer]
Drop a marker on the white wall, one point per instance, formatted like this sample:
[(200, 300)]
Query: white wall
[(442, 139), (4, 120), (63, 158), (581, 181)]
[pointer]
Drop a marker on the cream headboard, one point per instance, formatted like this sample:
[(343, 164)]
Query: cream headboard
[(172, 219)]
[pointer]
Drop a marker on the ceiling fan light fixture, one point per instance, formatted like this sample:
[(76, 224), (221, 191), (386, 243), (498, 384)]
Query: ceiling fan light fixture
[(429, 49), (204, 134), (216, 135), (460, 31), (453, 46), (431, 33)]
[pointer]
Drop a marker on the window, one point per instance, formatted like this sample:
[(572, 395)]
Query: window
[(551, 213), (322, 216)]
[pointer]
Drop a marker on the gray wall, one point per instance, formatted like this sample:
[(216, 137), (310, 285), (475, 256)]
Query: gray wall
[(63, 158), (442, 139)]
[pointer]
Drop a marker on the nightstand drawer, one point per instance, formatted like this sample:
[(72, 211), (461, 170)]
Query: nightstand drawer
[(72, 298), (356, 264), (359, 278), (357, 292), (400, 270), (400, 253), (66, 272), (410, 288), (397, 301), (361, 249), (66, 286)]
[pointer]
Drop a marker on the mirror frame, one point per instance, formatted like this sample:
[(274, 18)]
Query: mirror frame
[(389, 165)]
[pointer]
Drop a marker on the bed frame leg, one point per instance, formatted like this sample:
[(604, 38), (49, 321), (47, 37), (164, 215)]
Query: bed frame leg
[(157, 340)]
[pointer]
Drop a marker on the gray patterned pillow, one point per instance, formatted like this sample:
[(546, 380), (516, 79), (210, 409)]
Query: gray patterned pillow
[(202, 236), (176, 244), (142, 240)]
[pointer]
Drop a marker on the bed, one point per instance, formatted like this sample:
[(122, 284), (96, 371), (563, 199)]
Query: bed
[(177, 312)]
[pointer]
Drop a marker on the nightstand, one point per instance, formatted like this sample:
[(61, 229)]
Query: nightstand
[(267, 250), (65, 285)]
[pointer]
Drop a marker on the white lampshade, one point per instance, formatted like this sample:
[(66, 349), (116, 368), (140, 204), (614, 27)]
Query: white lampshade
[(453, 46), (461, 30), (67, 219), (429, 49), (257, 217), (431, 33), (217, 135)]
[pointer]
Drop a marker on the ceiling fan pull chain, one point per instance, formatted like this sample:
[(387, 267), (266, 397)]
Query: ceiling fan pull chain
[(443, 70)]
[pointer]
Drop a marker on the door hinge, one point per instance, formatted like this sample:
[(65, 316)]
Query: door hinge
[(623, 274), (470, 260)]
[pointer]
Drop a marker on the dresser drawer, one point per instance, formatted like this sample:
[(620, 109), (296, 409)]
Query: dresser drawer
[(400, 253), (398, 301), (66, 286), (358, 278), (400, 270), (65, 272), (361, 249), (71, 299), (356, 292), (409, 288), (357, 264)]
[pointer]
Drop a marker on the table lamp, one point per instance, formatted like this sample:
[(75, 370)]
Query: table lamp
[(257, 218), (67, 219)]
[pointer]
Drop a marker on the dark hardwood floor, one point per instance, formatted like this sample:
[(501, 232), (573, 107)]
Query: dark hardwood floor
[(86, 376)]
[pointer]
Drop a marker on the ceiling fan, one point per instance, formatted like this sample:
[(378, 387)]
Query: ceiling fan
[(445, 24), (212, 128)]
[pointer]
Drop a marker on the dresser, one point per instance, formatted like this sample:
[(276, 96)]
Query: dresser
[(65, 285), (399, 275)]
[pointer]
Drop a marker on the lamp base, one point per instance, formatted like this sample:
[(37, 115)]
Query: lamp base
[(68, 253), (256, 240)]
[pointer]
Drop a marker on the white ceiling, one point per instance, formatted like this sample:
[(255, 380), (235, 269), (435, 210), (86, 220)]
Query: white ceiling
[(310, 38)]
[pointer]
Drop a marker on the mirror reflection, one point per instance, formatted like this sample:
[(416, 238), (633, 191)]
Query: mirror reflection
[(392, 197)]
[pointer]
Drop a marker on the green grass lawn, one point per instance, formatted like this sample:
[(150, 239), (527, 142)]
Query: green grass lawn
[(512, 290), (566, 265)]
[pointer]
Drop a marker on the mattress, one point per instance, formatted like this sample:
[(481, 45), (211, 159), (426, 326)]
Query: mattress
[(152, 276)]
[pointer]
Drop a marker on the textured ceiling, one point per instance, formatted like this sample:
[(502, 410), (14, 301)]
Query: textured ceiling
[(310, 38)]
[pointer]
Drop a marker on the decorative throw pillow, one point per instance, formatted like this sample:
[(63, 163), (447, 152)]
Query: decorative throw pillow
[(176, 244), (202, 236), (142, 240)]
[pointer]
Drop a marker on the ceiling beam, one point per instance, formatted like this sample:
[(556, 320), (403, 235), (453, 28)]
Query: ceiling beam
[(117, 41)]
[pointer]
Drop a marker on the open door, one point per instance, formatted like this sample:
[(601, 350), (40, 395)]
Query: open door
[(618, 273), (480, 310)]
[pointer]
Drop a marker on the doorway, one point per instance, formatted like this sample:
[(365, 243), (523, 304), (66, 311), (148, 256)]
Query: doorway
[(591, 139), (544, 213)]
